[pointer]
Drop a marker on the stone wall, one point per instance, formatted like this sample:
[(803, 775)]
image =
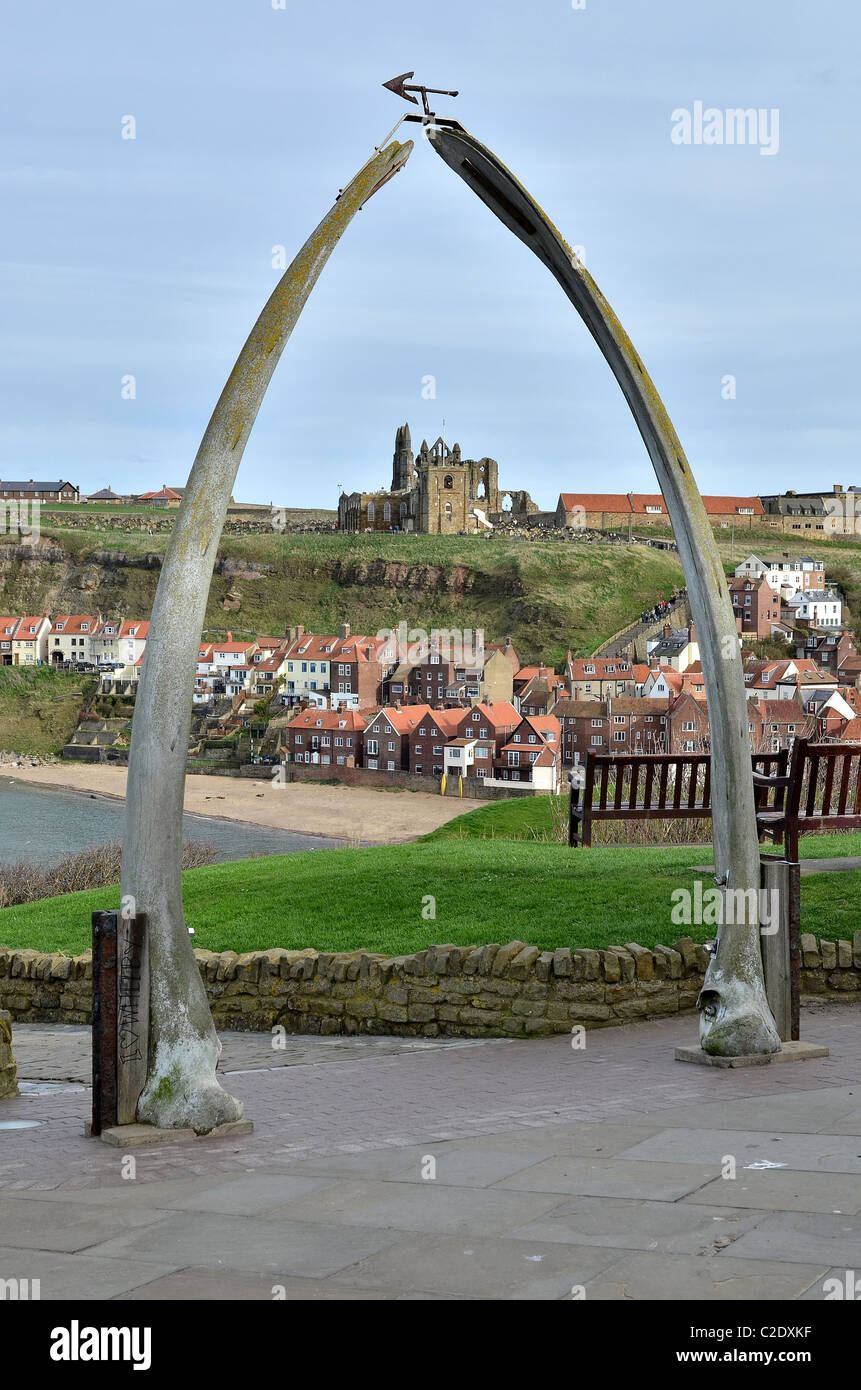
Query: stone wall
[(482, 991), (8, 1073)]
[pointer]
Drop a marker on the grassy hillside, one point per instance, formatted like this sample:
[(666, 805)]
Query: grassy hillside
[(546, 596), (484, 890), (39, 708)]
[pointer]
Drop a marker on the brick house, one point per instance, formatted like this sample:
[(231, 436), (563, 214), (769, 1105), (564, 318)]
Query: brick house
[(775, 724), (428, 738), (355, 668), (688, 726), (597, 677), (624, 725), (386, 738), (59, 491), (755, 603), (325, 736), (490, 720), (532, 753)]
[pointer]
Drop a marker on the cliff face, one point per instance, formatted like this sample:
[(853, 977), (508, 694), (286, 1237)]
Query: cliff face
[(546, 597)]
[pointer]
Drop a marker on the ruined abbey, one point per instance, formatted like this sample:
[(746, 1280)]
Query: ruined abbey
[(437, 493)]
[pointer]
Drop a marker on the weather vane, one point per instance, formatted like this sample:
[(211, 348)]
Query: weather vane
[(402, 88)]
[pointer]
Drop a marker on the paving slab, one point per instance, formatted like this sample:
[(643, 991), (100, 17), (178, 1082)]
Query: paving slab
[(802, 1236), (77, 1276), (613, 1178), (671, 1227), (796, 1111), (690, 1278), (811, 1152), (35, 1226), (194, 1284), (418, 1207), (249, 1196), (493, 1269), (784, 1189), (248, 1244)]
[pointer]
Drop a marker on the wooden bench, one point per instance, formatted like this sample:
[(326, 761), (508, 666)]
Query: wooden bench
[(819, 791), (656, 786), (815, 788)]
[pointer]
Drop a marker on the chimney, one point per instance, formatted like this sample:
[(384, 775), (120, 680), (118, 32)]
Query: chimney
[(345, 631), (667, 630), (230, 636), (837, 489)]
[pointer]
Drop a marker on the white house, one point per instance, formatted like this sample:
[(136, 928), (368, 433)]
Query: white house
[(820, 607), (69, 638), (30, 642), (788, 575)]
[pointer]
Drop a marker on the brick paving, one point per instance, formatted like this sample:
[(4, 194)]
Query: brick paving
[(330, 1198)]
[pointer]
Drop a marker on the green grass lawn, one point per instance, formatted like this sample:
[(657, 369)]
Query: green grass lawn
[(485, 890)]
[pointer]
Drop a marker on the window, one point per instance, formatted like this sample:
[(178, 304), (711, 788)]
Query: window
[(618, 718), (513, 759), (372, 763), (370, 511), (448, 483), (597, 723), (418, 748), (454, 752), (387, 512), (482, 733), (532, 738), (372, 747), (390, 767), (532, 757), (298, 738), (481, 772), (418, 767), (481, 752), (619, 737), (437, 752), (689, 726), (597, 739)]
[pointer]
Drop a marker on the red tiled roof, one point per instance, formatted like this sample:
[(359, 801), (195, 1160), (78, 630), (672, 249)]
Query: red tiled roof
[(72, 622)]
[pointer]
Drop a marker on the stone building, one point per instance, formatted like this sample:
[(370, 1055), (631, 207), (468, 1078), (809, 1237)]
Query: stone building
[(436, 492)]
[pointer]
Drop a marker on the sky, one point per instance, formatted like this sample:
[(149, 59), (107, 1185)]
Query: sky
[(733, 267)]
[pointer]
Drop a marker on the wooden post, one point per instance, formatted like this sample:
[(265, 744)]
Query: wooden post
[(120, 1018), (132, 1014), (104, 1021), (776, 935)]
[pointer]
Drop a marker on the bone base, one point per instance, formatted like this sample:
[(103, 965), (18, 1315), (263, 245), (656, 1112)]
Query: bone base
[(133, 1136), (789, 1052)]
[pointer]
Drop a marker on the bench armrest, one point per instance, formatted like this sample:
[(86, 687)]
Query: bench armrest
[(761, 779)]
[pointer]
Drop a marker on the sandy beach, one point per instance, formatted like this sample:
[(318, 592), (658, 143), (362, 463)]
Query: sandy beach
[(358, 815)]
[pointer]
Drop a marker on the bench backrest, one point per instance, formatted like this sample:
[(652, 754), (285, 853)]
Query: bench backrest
[(651, 785), (826, 784)]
